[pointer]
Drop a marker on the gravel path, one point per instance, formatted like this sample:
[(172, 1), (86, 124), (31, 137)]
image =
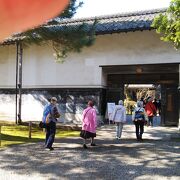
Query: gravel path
[(156, 158)]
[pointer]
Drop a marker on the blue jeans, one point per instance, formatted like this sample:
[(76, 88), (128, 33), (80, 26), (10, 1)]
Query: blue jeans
[(119, 127), (50, 134)]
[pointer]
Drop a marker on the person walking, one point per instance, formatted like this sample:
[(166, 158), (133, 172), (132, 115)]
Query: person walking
[(139, 118), (50, 115), (89, 124), (119, 117), (143, 101), (157, 104), (150, 110)]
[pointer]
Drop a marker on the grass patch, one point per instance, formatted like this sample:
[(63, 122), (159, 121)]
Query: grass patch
[(19, 134)]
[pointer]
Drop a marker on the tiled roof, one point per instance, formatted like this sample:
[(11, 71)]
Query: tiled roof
[(125, 22)]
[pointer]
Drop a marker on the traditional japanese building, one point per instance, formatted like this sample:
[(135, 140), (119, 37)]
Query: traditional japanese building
[(127, 51)]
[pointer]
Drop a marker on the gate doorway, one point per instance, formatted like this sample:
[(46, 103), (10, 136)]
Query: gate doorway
[(141, 92), (165, 75)]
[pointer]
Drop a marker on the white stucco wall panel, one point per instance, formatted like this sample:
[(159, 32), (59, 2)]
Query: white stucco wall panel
[(132, 48), (7, 66), (40, 68)]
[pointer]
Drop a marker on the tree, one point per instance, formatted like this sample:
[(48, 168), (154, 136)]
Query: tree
[(168, 24), (62, 37)]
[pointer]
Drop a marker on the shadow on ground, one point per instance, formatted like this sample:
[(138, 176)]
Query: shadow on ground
[(111, 159)]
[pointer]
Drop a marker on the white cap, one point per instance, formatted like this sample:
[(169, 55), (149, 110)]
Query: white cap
[(54, 99), (120, 102), (139, 104)]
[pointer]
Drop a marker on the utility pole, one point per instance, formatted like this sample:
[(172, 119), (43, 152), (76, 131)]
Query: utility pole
[(19, 55)]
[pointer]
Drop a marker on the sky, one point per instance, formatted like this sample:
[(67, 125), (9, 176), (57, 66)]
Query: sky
[(93, 8)]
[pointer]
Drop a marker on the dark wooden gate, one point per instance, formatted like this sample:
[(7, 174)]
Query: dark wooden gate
[(115, 94), (170, 105)]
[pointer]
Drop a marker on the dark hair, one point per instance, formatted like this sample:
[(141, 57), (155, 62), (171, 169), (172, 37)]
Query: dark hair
[(90, 103)]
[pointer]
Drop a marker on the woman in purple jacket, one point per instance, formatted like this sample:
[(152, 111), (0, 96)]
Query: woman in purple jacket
[(89, 124)]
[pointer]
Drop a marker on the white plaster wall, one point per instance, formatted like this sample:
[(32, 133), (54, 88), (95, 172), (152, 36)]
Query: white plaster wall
[(40, 69), (82, 69), (134, 48), (7, 66)]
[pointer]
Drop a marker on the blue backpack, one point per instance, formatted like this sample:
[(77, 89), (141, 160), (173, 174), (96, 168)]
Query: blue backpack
[(139, 115), (46, 111)]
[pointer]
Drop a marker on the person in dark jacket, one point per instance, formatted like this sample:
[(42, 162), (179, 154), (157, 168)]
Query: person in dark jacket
[(139, 118), (157, 104)]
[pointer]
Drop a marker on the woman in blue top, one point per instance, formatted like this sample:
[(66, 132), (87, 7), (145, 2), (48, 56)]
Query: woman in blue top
[(50, 116)]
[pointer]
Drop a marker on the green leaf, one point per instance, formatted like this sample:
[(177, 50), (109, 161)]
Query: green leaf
[(168, 24)]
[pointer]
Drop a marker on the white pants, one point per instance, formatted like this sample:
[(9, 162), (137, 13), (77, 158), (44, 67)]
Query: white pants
[(119, 127)]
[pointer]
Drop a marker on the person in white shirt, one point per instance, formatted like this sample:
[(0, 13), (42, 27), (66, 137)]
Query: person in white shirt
[(119, 117)]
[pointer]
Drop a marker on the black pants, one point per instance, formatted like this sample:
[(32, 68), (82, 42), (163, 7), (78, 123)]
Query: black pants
[(150, 120), (139, 129), (50, 134)]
